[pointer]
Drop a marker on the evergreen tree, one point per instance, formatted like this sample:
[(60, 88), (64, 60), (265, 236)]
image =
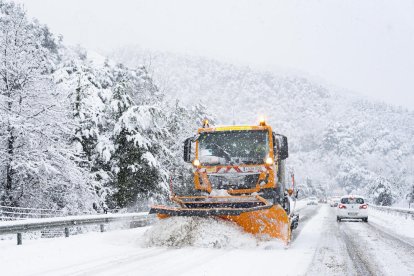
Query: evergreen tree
[(138, 134), (381, 192)]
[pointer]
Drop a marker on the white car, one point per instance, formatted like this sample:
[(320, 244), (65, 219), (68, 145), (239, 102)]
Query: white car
[(334, 201), (352, 207), (312, 201)]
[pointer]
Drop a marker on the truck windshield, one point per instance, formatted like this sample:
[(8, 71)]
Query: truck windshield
[(233, 147)]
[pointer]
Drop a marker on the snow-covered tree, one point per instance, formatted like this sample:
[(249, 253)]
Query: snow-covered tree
[(78, 131), (381, 192), (182, 123), (38, 167), (22, 63), (130, 136), (410, 196), (88, 86), (137, 138)]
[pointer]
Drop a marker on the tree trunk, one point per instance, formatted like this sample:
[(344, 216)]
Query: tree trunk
[(10, 152), (9, 169)]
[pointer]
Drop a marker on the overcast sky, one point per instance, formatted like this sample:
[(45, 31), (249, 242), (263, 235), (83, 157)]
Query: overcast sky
[(366, 46)]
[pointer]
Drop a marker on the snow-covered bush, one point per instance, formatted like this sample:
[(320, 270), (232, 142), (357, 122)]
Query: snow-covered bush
[(381, 193)]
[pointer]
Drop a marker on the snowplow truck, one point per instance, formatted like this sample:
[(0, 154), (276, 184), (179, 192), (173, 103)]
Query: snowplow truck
[(240, 173)]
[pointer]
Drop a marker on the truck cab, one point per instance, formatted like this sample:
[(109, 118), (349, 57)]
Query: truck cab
[(240, 160)]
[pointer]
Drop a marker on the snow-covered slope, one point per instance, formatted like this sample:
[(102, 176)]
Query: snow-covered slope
[(335, 139)]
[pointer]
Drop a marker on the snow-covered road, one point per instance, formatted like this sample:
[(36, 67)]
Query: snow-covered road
[(355, 248), (321, 246)]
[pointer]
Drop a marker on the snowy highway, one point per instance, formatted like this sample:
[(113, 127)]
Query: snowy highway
[(320, 246), (357, 248), (223, 124)]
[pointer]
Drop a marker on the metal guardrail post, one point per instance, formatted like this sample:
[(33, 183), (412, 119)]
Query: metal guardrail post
[(66, 232), (19, 238)]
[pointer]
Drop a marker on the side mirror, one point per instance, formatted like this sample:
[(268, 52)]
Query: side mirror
[(284, 150), (187, 150), (280, 143)]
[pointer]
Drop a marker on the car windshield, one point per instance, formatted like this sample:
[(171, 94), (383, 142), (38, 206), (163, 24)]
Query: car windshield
[(349, 200), (233, 147)]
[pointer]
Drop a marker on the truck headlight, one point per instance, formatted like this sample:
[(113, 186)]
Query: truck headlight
[(269, 161), (196, 162)]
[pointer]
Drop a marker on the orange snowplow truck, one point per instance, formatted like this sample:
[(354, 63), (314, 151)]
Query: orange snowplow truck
[(240, 173)]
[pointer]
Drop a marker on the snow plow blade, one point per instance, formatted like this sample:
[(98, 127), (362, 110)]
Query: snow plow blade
[(253, 213)]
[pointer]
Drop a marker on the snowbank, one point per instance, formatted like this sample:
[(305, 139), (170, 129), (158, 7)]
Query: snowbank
[(199, 232), (400, 224)]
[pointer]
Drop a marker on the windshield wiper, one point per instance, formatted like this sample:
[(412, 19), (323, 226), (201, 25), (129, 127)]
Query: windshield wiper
[(227, 156), (252, 161)]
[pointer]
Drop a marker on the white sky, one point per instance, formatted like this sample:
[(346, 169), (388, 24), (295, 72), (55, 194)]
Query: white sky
[(366, 46)]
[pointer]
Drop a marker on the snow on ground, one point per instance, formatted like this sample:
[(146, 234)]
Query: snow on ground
[(184, 246), (377, 252), (352, 247), (403, 203), (330, 257), (301, 203), (393, 222), (198, 232), (128, 252), (64, 256)]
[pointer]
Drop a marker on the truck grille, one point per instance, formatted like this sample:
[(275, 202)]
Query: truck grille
[(234, 182)]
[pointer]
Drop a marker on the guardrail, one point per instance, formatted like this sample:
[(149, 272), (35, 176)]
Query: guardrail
[(407, 213), (32, 225)]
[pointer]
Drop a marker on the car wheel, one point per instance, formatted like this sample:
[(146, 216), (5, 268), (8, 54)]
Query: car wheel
[(338, 219)]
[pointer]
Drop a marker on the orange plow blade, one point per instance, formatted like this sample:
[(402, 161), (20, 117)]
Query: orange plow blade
[(253, 213), (272, 222)]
